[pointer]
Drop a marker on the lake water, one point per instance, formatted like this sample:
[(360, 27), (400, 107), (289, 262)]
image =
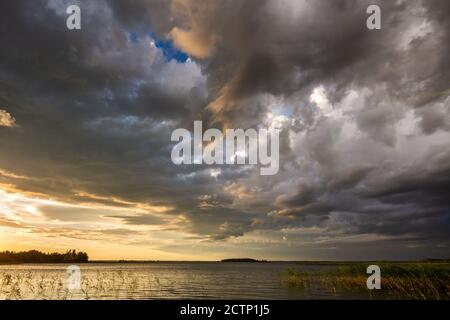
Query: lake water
[(156, 281)]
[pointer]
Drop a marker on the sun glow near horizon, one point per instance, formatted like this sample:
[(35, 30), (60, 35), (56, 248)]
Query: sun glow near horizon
[(31, 223), (53, 225)]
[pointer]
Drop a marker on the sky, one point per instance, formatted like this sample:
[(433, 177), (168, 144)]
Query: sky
[(86, 118)]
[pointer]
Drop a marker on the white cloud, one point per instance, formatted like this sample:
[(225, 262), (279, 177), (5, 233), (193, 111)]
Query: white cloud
[(319, 97)]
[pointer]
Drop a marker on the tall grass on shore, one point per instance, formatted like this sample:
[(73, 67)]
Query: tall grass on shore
[(100, 285), (398, 281)]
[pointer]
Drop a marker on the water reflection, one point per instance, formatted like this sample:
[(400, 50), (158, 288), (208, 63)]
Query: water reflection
[(157, 281)]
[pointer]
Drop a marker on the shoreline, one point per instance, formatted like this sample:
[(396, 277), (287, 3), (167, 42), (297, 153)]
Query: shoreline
[(317, 263)]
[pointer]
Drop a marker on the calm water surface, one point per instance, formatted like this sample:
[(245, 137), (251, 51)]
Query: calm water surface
[(156, 281)]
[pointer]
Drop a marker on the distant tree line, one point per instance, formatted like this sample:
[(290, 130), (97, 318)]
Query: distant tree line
[(35, 256), (242, 260)]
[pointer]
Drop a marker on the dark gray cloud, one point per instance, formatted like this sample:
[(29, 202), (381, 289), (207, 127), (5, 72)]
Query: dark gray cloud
[(365, 120)]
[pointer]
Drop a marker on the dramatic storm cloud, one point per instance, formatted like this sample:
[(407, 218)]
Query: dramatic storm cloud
[(86, 118)]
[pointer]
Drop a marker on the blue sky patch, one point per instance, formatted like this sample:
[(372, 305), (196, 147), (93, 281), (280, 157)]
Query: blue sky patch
[(283, 111), (169, 50), (133, 37)]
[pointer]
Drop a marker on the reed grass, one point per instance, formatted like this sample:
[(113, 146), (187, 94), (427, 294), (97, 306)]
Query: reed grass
[(100, 285), (422, 281)]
